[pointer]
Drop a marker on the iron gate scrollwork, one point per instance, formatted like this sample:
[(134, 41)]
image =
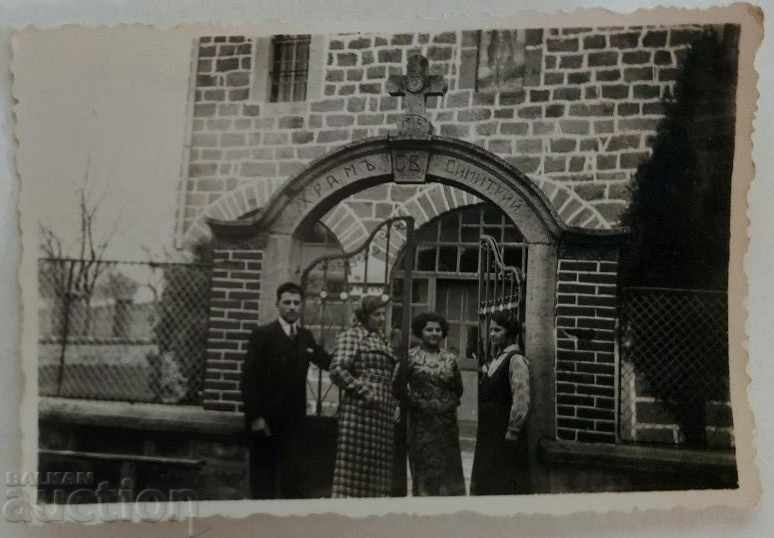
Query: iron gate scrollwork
[(500, 289), (333, 288)]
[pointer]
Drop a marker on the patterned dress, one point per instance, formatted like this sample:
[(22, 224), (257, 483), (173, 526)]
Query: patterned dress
[(363, 367), (499, 463), (434, 391)]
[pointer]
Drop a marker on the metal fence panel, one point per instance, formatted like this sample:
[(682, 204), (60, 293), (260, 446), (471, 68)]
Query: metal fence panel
[(674, 367), (132, 331)]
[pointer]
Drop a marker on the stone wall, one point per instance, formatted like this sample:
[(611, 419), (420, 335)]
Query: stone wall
[(583, 118)]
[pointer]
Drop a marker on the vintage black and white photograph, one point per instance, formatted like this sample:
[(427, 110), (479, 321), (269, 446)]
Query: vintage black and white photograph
[(444, 262)]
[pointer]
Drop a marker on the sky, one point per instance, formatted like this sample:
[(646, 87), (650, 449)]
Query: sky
[(107, 111)]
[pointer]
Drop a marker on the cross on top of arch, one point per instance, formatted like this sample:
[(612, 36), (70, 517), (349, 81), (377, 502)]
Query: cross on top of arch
[(416, 85)]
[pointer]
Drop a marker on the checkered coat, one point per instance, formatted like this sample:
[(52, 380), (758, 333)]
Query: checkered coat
[(363, 367)]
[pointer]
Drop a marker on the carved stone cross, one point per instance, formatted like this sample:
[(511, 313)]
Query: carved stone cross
[(416, 85)]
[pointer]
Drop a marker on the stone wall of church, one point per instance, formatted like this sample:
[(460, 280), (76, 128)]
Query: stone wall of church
[(583, 115)]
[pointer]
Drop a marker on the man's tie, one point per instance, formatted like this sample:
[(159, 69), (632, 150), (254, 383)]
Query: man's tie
[(293, 332)]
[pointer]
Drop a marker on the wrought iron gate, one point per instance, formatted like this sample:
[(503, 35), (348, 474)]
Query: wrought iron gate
[(500, 288), (333, 288)]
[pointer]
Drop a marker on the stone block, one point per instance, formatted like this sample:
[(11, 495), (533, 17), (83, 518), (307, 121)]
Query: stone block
[(571, 61), (628, 109), (346, 59), (576, 164), (376, 72), (347, 89), (608, 75), (439, 54), (302, 137), (533, 37), (529, 145), (355, 75), (445, 37), (202, 169), (580, 77), (540, 128), (475, 114), (226, 109), (332, 135), (388, 103), (205, 81), (599, 59), (455, 130), (204, 110), (390, 56), (258, 169), (311, 152), (555, 111), (232, 139), (371, 88), (595, 42), (504, 113), (238, 78), (607, 162), (527, 165), (227, 64), (620, 142), (655, 39), (207, 52), (502, 147), (486, 129), (484, 98), (334, 75), (530, 112), (552, 165), (604, 127), (402, 39), (330, 89), (370, 119), (539, 96), (328, 105), (567, 94), (591, 93), (512, 98), (550, 61), (291, 122), (339, 120), (360, 43), (637, 57), (575, 126), (628, 40), (647, 91), (562, 45), (284, 153), (634, 74), (589, 144), (663, 57), (275, 138), (668, 74), (553, 78), (615, 91), (514, 128), (239, 95), (638, 124), (632, 160), (653, 109)]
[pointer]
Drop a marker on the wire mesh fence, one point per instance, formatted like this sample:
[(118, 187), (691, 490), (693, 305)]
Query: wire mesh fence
[(674, 367), (132, 331)]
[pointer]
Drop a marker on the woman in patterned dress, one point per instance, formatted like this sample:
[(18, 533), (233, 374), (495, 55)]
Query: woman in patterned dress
[(362, 367), (499, 463), (434, 389)]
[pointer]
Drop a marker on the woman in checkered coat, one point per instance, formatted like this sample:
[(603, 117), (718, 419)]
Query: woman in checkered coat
[(363, 367)]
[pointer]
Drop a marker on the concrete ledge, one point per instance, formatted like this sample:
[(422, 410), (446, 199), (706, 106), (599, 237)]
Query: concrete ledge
[(140, 416), (635, 457)]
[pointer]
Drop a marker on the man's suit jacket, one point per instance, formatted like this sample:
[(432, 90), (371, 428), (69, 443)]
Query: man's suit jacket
[(274, 375)]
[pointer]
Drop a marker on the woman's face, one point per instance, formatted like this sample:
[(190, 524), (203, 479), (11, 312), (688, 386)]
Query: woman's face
[(375, 319), (432, 334), (497, 334)]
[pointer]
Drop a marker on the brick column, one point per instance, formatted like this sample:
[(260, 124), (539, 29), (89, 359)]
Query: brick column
[(235, 293), (586, 320)]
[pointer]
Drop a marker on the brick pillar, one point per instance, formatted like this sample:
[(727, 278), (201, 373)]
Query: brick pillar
[(235, 293), (586, 321)]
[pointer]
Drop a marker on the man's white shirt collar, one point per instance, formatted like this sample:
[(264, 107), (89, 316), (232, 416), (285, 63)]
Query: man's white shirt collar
[(286, 326)]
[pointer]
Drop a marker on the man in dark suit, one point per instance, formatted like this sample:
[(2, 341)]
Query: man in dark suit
[(274, 394)]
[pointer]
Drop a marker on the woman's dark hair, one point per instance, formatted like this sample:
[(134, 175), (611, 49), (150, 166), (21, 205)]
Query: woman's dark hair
[(511, 324), (420, 320)]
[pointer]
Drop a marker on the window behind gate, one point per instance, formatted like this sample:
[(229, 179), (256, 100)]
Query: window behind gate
[(446, 269)]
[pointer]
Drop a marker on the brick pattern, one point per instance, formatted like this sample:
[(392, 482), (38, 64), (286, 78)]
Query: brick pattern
[(650, 421), (586, 314), (586, 120), (234, 305)]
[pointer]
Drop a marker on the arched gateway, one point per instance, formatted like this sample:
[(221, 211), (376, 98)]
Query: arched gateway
[(569, 300)]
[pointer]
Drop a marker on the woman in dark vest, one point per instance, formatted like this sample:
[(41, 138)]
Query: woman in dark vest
[(503, 404)]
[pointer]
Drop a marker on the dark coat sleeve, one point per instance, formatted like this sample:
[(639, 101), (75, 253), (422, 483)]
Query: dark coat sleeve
[(254, 375), (318, 356)]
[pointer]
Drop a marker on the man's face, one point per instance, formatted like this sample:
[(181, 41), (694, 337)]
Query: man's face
[(289, 306)]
